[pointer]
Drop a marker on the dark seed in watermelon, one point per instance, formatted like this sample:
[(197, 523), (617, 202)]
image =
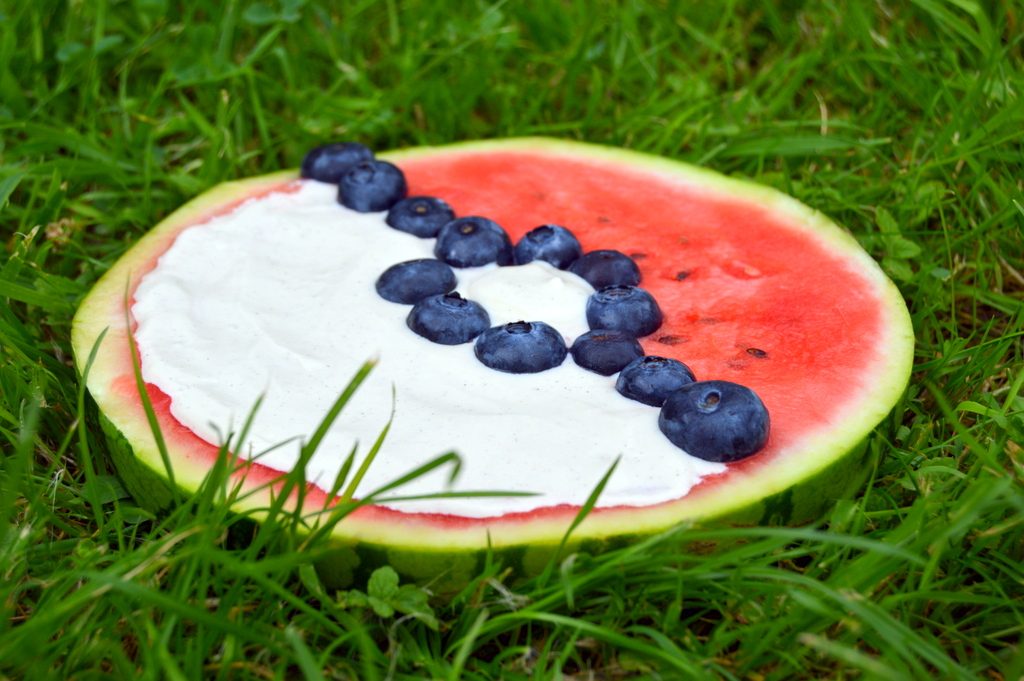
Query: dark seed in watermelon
[(715, 421)]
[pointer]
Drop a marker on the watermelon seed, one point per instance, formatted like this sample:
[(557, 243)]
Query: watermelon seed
[(757, 352), (672, 340), (638, 256), (682, 274), (603, 219)]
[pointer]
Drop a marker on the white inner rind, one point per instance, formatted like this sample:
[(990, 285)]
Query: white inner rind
[(277, 299)]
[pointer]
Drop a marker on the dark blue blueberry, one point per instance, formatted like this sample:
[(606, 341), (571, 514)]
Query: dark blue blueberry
[(715, 421), (652, 379), (411, 281), (607, 268), (423, 216), (371, 186), (473, 241), (329, 162), (551, 243), (625, 308), (605, 351), (448, 319), (521, 347)]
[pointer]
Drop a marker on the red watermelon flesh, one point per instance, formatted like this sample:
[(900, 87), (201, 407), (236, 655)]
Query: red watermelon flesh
[(756, 289), (747, 299)]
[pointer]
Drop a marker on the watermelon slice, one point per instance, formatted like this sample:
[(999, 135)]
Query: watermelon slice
[(756, 288)]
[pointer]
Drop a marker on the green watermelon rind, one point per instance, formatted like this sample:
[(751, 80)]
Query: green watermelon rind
[(447, 571), (793, 493)]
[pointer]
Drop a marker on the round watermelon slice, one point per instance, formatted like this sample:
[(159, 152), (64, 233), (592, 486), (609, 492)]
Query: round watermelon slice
[(756, 288)]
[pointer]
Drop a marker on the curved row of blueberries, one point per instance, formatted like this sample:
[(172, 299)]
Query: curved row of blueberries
[(713, 420)]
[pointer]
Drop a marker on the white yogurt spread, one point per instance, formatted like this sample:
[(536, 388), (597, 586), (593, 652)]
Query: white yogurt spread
[(277, 299)]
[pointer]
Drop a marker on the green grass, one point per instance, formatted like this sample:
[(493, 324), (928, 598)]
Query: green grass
[(903, 121)]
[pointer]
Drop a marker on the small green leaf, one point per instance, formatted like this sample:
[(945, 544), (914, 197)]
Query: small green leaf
[(383, 583), (8, 185), (106, 489), (154, 7), (412, 600), (381, 607), (886, 222), (930, 191), (291, 10), (897, 269), (927, 199), (260, 14), (311, 580), (107, 42), (352, 599), (976, 408), (134, 514), (632, 663), (901, 247), (69, 52)]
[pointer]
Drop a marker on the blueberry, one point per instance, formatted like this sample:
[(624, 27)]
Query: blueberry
[(625, 308), (605, 351), (715, 421), (329, 162), (473, 241), (371, 186), (448, 319), (420, 215), (652, 379), (411, 281), (551, 243), (607, 268), (521, 347)]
